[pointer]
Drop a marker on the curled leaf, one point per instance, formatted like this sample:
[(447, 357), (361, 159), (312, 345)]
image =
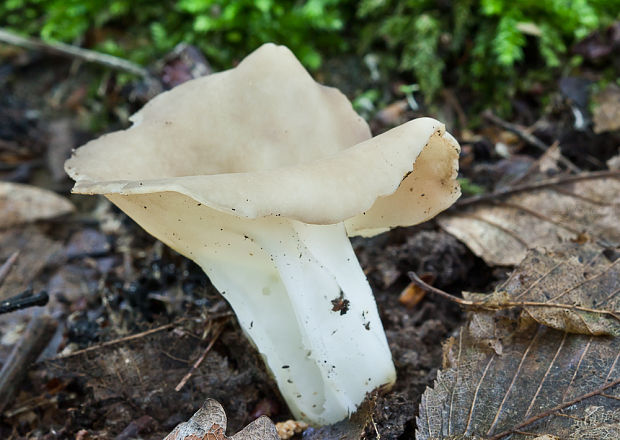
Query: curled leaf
[(209, 423)]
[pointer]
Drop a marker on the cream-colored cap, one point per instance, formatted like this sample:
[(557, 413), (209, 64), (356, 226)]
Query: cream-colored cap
[(264, 139)]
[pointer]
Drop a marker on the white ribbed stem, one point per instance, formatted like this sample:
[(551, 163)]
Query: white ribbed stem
[(280, 276)]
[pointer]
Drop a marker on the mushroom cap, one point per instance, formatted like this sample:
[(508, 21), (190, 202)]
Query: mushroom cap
[(264, 139)]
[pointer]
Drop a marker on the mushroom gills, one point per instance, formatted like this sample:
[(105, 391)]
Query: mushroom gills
[(299, 294)]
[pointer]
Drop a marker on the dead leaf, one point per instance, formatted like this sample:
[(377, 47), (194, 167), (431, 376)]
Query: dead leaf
[(599, 44), (413, 294), (209, 423), (36, 250), (393, 114), (145, 367), (544, 381), (25, 203), (501, 229), (606, 113), (575, 288)]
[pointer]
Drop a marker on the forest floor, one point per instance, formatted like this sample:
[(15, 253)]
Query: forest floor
[(130, 317)]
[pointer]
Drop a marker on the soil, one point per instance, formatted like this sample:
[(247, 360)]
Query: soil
[(110, 281)]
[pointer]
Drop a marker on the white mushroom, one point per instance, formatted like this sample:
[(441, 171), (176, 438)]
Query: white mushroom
[(257, 174)]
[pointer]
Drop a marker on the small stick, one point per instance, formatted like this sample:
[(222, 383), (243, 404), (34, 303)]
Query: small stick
[(527, 137), (38, 334), (7, 265), (613, 174), (120, 340), (23, 301), (200, 359), (73, 52), (134, 336), (555, 409), (415, 279)]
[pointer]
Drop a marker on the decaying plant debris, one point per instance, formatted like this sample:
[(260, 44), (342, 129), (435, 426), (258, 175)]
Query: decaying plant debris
[(506, 374), (136, 321), (209, 423), (538, 214)]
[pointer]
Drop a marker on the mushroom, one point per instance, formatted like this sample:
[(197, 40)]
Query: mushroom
[(258, 174)]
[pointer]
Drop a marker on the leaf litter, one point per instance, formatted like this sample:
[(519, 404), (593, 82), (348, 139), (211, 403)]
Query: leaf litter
[(209, 423), (507, 374), (21, 203), (501, 227)]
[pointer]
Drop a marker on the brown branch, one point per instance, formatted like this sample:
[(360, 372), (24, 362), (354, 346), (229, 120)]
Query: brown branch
[(510, 304), (415, 279), (553, 410), (7, 265), (482, 305), (135, 336), (38, 333), (614, 174), (526, 136), (120, 340), (202, 357), (67, 50)]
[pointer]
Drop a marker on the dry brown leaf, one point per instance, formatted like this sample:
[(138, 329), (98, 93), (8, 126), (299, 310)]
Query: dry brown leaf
[(501, 230), (24, 203), (209, 423), (36, 250), (606, 113), (412, 295), (575, 288), (544, 381)]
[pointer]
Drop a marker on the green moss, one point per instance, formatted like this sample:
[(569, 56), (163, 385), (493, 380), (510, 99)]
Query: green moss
[(226, 31), (480, 45)]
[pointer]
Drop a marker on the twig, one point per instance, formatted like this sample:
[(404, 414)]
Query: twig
[(534, 166), (449, 96), (7, 265), (38, 333), (508, 304), (514, 128), (615, 174), (555, 409), (120, 340), (482, 305), (200, 359), (415, 279), (374, 425), (527, 137), (23, 301), (135, 336), (73, 52)]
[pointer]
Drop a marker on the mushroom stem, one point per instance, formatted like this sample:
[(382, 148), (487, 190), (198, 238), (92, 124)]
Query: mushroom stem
[(298, 292), (327, 348)]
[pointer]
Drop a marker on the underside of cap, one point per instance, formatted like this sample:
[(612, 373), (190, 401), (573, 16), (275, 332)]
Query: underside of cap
[(264, 139)]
